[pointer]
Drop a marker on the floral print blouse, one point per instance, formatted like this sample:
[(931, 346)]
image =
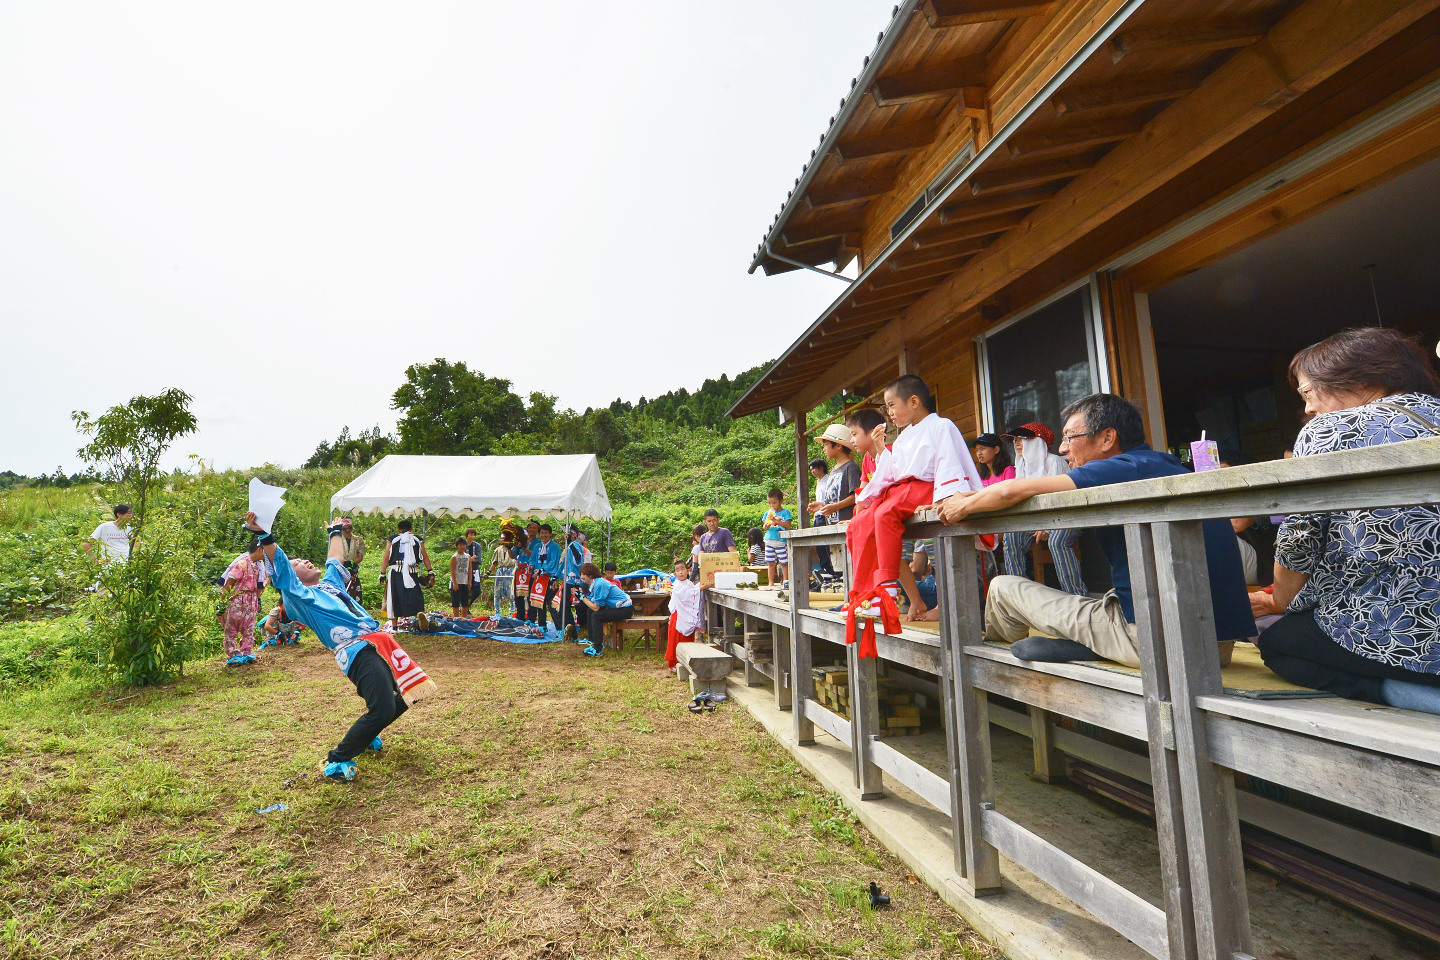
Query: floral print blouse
[(1374, 574)]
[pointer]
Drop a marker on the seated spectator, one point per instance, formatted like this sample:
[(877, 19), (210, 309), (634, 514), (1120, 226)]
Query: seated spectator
[(612, 573), (279, 628), (992, 460), (1360, 591), (1033, 459), (1104, 443), (606, 603), (1257, 536)]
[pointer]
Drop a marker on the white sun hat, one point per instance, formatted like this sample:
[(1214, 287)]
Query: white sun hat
[(839, 433)]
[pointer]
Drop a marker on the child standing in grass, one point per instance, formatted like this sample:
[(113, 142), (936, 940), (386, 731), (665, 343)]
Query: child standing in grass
[(460, 579), (244, 581), (777, 519)]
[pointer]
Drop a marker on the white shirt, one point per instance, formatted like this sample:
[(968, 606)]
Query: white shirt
[(685, 597), (1036, 460), (115, 539), (932, 449)]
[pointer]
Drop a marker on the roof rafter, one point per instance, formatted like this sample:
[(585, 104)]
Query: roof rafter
[(1032, 174), (1076, 137), (973, 208), (848, 191), (1186, 38), (928, 83), (1133, 92), (966, 230), (955, 13), (898, 139)]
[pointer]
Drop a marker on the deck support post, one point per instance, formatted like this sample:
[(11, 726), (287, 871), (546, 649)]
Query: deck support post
[(1207, 793), (782, 666), (864, 721), (1164, 764), (802, 660), (1049, 764), (967, 726)]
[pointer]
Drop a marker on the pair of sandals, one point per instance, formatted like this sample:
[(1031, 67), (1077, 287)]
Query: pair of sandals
[(705, 701)]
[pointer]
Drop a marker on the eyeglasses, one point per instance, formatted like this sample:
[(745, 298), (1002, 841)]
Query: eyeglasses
[(1067, 437)]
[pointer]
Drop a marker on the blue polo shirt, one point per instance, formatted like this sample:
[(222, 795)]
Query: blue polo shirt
[(545, 557), (1228, 597), (339, 622), (606, 594)]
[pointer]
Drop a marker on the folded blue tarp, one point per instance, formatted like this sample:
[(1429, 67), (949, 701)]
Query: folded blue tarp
[(504, 629)]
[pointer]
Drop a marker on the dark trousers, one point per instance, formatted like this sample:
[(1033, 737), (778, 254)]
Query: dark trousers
[(1298, 650), (598, 619), (572, 612), (375, 683)]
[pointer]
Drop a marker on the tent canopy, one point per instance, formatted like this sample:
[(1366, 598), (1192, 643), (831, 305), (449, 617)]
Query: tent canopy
[(558, 486)]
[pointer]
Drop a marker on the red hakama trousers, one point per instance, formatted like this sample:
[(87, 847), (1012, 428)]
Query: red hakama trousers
[(675, 639), (873, 537)]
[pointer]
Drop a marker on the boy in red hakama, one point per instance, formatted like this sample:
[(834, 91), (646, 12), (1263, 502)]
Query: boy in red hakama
[(927, 463), (687, 617)]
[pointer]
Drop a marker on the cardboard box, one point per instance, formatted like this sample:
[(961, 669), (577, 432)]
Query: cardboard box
[(712, 563)]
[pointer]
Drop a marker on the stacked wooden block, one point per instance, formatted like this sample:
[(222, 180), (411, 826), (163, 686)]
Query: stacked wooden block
[(832, 688), (899, 715), (759, 647)]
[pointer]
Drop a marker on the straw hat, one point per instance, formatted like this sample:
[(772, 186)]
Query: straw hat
[(839, 433)]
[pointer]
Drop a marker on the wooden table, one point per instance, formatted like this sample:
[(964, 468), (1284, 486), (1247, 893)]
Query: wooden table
[(650, 604)]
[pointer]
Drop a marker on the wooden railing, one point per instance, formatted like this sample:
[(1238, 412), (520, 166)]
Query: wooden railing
[(1383, 762)]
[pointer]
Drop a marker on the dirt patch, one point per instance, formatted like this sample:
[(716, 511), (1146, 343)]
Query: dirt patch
[(544, 804)]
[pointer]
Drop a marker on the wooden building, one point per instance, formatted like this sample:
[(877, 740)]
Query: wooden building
[(1163, 199)]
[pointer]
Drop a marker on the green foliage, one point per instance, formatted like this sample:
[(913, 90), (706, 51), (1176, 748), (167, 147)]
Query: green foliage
[(43, 565), (128, 440), (32, 652), (361, 450), (448, 409), (153, 612)]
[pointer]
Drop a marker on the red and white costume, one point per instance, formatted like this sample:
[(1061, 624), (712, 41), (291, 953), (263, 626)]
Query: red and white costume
[(927, 463), (686, 617)]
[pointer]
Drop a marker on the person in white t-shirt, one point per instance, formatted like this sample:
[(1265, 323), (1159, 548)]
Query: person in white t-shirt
[(113, 536)]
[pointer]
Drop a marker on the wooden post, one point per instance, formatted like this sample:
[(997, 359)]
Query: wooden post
[(783, 676), (967, 730), (864, 721), (801, 661), (1164, 765), (1049, 765), (753, 677), (802, 482), (1207, 793)]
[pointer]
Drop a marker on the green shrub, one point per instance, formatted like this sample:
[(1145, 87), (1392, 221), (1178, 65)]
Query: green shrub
[(153, 612), (32, 652)]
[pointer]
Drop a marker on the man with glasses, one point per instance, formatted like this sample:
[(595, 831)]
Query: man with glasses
[(1103, 443), (1033, 459)]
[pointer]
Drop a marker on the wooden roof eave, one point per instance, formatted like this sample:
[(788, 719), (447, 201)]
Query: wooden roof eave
[(848, 104), (1096, 42)]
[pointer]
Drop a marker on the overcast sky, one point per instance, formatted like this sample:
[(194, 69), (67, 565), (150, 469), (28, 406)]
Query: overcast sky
[(278, 207)]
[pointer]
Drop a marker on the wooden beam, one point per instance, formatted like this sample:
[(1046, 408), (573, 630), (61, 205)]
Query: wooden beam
[(952, 252), (885, 299), (849, 190), (906, 286), (968, 229), (1073, 138), (898, 139), (929, 83), (955, 13), (975, 209), (1034, 174), (1313, 43), (1182, 39), (1133, 92), (885, 279), (832, 222)]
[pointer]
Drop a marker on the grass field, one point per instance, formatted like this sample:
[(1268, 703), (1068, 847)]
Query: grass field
[(543, 804)]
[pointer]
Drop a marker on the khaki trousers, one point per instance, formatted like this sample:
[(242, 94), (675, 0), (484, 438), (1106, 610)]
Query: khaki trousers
[(1016, 605)]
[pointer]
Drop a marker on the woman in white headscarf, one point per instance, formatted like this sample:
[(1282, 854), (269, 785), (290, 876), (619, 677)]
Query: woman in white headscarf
[(1034, 459)]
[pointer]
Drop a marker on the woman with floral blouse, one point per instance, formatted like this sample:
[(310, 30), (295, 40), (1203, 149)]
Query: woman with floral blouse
[(1360, 590)]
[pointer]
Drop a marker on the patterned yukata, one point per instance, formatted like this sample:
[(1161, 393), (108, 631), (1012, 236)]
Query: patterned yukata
[(1374, 583), (243, 607)]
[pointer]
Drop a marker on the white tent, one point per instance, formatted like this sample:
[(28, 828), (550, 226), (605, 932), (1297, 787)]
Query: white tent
[(560, 486)]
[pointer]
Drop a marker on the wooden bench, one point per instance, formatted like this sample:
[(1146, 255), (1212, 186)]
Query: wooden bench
[(706, 667), (650, 629)]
